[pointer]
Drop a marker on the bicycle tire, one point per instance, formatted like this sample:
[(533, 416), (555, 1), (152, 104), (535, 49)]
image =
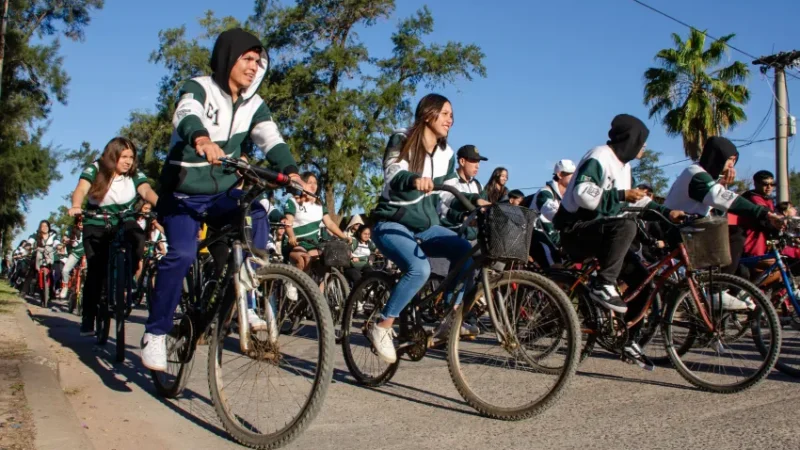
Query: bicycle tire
[(45, 292), (385, 283), (121, 274), (582, 304), (185, 328), (764, 310), (72, 299), (573, 333), (322, 378), (337, 310)]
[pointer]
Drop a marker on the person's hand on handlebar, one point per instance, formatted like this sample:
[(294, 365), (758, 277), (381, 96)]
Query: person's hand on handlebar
[(208, 149), (74, 211), (634, 195), (423, 184), (676, 216), (776, 221), (481, 202)]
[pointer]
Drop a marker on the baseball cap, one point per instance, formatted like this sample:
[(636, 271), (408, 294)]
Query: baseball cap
[(565, 165), (470, 152)]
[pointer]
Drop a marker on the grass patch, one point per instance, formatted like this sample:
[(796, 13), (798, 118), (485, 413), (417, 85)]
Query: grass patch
[(17, 387), (8, 298), (71, 391)]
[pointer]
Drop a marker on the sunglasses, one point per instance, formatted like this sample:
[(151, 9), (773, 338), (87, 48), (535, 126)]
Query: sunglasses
[(768, 184)]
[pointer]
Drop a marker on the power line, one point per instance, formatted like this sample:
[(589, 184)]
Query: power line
[(702, 32), (756, 142)]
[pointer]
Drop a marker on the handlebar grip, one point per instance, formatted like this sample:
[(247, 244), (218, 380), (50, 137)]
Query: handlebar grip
[(457, 194)]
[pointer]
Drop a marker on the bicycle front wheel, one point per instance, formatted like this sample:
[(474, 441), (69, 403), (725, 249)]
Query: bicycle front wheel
[(524, 373), (120, 282), (722, 359), (267, 396), (336, 293)]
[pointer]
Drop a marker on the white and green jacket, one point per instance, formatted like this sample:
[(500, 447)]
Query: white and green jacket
[(121, 196), (307, 221), (400, 202), (696, 192), (204, 109), (546, 203), (598, 189), (51, 240)]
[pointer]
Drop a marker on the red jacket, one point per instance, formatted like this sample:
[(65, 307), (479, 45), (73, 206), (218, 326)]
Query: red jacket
[(755, 243)]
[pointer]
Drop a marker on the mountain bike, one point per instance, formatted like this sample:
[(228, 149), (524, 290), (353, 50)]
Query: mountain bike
[(255, 409), (534, 336)]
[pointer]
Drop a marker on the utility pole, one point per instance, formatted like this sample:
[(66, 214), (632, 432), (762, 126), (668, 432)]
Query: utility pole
[(778, 63), (3, 44)]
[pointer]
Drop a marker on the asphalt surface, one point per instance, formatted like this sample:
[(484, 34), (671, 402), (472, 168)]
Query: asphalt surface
[(609, 404)]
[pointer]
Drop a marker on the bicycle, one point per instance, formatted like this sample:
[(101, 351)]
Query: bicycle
[(116, 296), (325, 271), (146, 281), (44, 255), (75, 288), (690, 323), (207, 310), (784, 295), (541, 344)]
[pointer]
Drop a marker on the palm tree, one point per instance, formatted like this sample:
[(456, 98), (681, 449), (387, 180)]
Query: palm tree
[(693, 97)]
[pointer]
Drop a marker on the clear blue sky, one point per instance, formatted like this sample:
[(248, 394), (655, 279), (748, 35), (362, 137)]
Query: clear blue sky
[(557, 74)]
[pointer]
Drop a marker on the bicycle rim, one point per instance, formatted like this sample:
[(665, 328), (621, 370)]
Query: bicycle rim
[(721, 361), (523, 375), (267, 397), (121, 281)]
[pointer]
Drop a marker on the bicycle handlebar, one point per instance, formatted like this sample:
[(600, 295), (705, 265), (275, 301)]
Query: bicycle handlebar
[(688, 218), (270, 176), (457, 194)]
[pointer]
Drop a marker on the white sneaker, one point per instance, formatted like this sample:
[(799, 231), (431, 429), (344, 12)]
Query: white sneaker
[(154, 351), (469, 330), (731, 303), (256, 323), (291, 292), (63, 294), (381, 339)]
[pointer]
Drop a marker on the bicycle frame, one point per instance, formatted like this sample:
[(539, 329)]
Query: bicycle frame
[(678, 253), (779, 264)]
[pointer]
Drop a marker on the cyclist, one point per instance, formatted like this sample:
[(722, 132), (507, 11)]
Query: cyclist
[(112, 184), (363, 248), (702, 187), (451, 212), (515, 197), (496, 190), (43, 243), (546, 202), (408, 227), (59, 258), (74, 254), (193, 186), (304, 216)]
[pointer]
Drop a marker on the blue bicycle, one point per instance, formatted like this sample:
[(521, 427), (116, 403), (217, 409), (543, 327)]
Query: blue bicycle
[(783, 294)]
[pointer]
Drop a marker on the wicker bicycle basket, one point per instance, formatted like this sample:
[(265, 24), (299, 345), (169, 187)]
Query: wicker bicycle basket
[(506, 231), (706, 242), (336, 254)]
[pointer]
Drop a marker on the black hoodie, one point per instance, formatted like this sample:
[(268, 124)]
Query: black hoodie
[(716, 153), (231, 45), (627, 136)]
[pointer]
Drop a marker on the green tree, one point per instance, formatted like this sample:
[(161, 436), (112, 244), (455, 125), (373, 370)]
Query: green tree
[(794, 187), (81, 157), (334, 102), (648, 171), (32, 81), (693, 95)]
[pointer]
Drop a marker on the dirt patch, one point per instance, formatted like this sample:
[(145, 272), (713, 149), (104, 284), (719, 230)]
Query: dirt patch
[(16, 423)]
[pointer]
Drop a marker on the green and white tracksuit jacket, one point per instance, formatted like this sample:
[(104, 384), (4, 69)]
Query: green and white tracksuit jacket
[(696, 192)]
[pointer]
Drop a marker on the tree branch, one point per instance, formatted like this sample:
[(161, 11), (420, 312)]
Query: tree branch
[(39, 20)]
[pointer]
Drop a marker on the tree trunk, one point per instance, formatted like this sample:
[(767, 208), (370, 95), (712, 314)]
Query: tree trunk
[(330, 202), (3, 43)]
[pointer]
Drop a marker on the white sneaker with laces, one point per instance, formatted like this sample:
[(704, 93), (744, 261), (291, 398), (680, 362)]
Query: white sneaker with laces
[(154, 351), (256, 323), (731, 303), (381, 339)]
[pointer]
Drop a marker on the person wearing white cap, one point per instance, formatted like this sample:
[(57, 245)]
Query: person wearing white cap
[(546, 202)]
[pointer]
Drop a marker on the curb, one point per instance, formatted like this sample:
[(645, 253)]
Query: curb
[(57, 425)]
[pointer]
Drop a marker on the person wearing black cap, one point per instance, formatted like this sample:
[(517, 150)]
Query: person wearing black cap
[(592, 224), (702, 188), (452, 212), (192, 181)]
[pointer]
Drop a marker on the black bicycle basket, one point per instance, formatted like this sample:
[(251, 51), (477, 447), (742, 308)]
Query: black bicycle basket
[(336, 254), (506, 231), (706, 242)]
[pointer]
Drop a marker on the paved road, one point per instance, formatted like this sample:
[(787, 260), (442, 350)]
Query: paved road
[(609, 405)]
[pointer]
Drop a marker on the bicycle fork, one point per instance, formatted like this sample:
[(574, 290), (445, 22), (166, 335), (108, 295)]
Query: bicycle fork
[(499, 316)]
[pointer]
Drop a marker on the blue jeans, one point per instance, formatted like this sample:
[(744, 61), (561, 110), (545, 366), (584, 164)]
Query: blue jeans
[(181, 216), (400, 245)]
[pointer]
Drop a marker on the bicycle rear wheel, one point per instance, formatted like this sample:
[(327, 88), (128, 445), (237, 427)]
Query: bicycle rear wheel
[(721, 360), (181, 342), (363, 310), (583, 306), (266, 397), (789, 359), (523, 375)]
